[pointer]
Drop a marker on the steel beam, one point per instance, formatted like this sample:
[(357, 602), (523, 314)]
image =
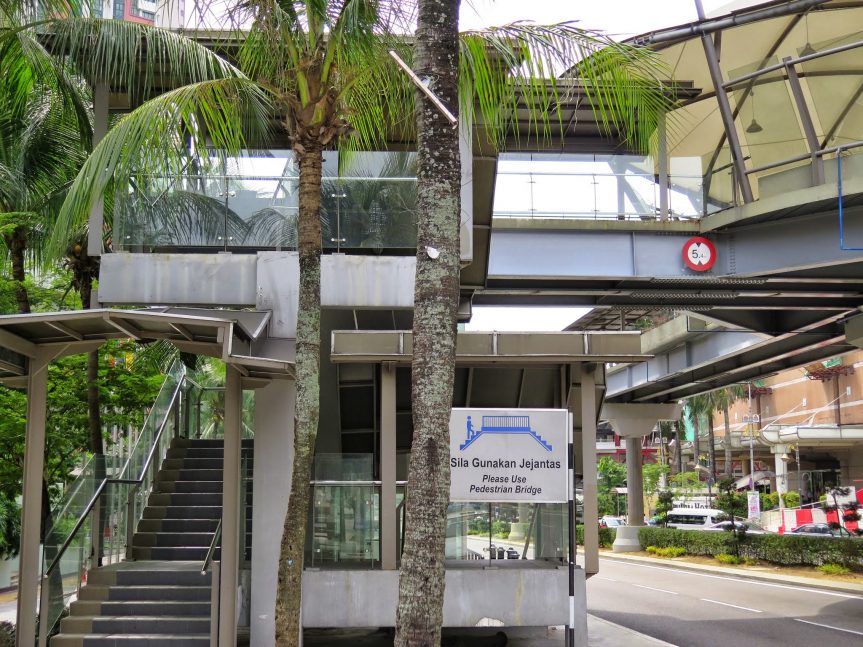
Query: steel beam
[(817, 161)]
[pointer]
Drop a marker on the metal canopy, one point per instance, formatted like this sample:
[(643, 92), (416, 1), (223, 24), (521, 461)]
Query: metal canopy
[(236, 337)]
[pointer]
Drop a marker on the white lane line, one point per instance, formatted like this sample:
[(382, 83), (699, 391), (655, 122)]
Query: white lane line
[(801, 589), (725, 604), (653, 588), (818, 624), (607, 579)]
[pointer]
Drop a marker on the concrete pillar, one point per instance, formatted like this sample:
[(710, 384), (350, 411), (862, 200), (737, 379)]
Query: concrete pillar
[(633, 422), (389, 539), (31, 504), (781, 467), (274, 459), (634, 485), (230, 511), (588, 478), (100, 129)]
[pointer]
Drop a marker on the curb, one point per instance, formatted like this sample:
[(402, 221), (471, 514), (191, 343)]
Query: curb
[(791, 580), (632, 637)]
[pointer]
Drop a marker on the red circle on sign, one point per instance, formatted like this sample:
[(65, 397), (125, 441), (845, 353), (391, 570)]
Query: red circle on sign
[(699, 254)]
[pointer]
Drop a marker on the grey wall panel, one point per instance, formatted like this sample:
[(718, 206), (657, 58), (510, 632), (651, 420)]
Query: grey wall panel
[(178, 279)]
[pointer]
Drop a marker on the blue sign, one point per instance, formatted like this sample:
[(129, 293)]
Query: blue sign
[(502, 425)]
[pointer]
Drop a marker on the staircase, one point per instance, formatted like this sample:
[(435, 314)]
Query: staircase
[(160, 597)]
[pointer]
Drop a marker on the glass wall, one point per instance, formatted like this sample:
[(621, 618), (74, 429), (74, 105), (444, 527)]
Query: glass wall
[(594, 187), (368, 202)]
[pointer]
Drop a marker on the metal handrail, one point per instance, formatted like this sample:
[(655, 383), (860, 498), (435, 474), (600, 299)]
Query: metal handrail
[(105, 482), (212, 549)]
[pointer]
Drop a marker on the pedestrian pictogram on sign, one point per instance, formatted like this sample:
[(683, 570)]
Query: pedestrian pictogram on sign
[(699, 254)]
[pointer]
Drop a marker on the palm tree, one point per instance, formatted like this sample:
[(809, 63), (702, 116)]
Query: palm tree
[(723, 399), (322, 67)]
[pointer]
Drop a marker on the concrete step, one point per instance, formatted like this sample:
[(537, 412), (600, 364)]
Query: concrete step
[(129, 640), (162, 592), (188, 486), (178, 525), (191, 475), (143, 575), (183, 512), (178, 625), (185, 499), (172, 538), (139, 607), (172, 553)]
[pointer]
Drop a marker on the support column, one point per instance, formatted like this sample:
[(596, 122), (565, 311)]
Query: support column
[(389, 539), (781, 467), (274, 460), (633, 422), (634, 485), (31, 505), (100, 129), (663, 168), (588, 478), (230, 511)]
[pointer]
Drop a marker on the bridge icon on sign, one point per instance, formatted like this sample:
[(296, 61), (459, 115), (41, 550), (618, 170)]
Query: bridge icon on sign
[(502, 425)]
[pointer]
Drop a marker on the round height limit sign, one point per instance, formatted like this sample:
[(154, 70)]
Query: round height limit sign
[(699, 254)]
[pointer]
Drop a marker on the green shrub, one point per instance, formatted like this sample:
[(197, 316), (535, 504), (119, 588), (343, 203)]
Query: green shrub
[(833, 569), (785, 550), (7, 634), (651, 549), (670, 551), (792, 500), (725, 558), (606, 536)]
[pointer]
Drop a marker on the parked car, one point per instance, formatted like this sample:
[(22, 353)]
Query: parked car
[(750, 527), (821, 530), (611, 522)]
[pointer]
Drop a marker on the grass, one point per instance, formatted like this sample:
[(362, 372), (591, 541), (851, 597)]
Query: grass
[(833, 569)]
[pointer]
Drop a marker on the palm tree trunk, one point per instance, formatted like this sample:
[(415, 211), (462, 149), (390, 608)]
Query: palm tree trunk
[(728, 459), (678, 447), (711, 446), (94, 418), (696, 450), (421, 582), (17, 244), (307, 409)]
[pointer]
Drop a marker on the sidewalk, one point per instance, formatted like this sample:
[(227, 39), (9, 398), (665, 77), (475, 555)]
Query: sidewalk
[(601, 633), (752, 573)]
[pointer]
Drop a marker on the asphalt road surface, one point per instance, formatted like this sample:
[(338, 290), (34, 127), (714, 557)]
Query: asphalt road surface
[(692, 609)]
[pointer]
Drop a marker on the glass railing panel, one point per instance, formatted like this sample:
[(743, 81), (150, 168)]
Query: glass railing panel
[(64, 581), (344, 525), (530, 531)]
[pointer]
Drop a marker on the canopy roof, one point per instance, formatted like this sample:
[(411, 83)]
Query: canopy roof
[(237, 337)]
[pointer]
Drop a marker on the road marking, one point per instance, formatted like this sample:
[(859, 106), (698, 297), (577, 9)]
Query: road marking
[(801, 589), (652, 588), (818, 624), (607, 579), (726, 604)]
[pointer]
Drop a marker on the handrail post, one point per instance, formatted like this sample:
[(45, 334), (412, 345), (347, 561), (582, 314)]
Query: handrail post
[(215, 575), (96, 535), (44, 602), (130, 523)]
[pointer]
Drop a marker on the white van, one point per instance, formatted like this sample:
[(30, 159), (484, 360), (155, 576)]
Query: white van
[(693, 518)]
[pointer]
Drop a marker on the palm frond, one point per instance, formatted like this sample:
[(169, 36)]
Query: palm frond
[(153, 138), (514, 66)]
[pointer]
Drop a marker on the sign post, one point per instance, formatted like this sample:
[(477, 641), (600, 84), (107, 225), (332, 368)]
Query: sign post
[(516, 455)]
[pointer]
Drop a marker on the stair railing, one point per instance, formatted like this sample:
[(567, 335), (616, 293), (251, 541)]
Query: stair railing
[(87, 533), (215, 582)]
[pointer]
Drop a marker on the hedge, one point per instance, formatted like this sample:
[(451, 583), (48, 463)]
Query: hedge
[(606, 536), (786, 550)]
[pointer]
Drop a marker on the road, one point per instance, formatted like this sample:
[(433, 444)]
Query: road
[(692, 609)]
